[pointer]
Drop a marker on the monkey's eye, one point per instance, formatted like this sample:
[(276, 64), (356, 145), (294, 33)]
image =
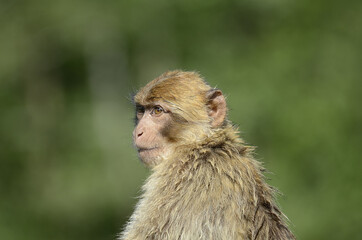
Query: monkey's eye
[(157, 110), (139, 112)]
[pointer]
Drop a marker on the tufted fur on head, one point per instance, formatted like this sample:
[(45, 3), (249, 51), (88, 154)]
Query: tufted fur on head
[(188, 97), (210, 187)]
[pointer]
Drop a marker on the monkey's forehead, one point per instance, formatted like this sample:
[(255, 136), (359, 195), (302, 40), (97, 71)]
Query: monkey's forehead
[(173, 86)]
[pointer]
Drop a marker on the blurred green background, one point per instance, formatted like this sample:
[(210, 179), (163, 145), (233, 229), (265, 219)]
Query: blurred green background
[(291, 71)]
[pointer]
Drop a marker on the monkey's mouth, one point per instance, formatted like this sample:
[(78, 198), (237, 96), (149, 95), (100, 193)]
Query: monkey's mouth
[(141, 150)]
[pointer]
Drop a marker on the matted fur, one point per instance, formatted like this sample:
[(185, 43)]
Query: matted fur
[(209, 188)]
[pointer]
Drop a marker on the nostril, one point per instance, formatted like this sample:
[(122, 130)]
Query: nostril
[(140, 134)]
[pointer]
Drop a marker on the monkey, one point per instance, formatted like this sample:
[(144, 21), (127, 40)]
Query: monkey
[(204, 181)]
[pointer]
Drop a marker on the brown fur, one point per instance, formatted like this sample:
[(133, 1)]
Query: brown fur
[(210, 187)]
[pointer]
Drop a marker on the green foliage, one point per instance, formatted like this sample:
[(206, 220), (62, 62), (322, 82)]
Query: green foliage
[(290, 69)]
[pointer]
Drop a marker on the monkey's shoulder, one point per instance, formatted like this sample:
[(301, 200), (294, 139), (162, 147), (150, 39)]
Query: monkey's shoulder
[(208, 169)]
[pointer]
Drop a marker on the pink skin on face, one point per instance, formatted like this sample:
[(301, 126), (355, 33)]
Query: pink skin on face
[(147, 135)]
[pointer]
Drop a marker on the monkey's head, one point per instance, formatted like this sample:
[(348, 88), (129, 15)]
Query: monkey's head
[(174, 109)]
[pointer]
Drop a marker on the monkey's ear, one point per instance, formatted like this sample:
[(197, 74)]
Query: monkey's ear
[(217, 107)]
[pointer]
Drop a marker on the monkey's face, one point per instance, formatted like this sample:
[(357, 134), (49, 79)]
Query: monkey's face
[(148, 137), (173, 110)]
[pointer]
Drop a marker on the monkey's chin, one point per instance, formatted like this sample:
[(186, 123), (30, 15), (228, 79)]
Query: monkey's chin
[(150, 156)]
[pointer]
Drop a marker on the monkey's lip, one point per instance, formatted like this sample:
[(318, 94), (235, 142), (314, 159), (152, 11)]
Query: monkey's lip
[(142, 149)]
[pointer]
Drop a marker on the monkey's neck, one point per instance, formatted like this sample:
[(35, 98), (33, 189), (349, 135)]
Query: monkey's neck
[(214, 145), (218, 141)]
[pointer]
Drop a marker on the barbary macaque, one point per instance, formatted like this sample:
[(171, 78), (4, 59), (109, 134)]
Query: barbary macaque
[(205, 183)]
